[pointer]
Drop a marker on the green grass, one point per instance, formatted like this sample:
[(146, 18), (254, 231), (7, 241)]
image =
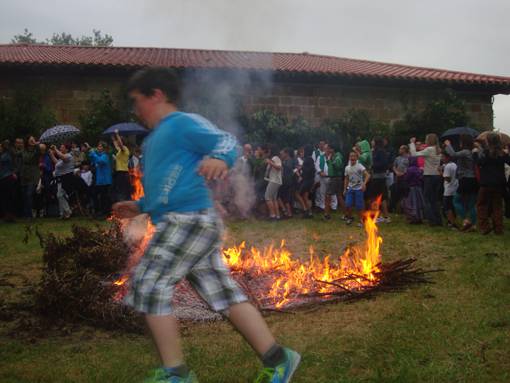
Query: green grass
[(456, 330)]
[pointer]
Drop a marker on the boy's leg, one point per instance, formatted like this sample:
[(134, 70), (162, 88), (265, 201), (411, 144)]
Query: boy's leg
[(249, 322), (165, 333)]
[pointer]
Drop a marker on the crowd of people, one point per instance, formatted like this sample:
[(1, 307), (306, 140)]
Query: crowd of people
[(430, 181), (434, 182), (42, 180)]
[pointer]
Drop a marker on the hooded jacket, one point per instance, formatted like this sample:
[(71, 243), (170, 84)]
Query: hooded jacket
[(365, 157)]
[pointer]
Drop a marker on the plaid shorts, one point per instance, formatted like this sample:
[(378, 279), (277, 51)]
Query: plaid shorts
[(185, 245)]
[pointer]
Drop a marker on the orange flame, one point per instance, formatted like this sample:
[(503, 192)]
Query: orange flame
[(135, 176), (291, 277)]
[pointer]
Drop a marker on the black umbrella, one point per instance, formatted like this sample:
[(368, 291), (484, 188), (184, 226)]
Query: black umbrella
[(126, 129), (459, 131), (59, 133)]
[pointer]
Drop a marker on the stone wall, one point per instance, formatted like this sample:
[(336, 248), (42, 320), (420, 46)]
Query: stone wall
[(67, 95)]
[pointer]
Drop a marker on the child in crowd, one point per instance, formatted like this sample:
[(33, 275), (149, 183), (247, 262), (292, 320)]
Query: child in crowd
[(274, 181), (451, 184), (355, 184)]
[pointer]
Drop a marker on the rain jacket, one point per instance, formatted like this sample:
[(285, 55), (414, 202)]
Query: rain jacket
[(335, 166), (103, 167), (365, 158)]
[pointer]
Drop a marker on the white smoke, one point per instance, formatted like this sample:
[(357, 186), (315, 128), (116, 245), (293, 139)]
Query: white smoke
[(222, 97)]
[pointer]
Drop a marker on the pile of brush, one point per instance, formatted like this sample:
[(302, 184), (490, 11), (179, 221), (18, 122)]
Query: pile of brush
[(76, 283)]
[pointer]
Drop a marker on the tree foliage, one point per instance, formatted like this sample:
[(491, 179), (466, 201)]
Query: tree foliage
[(447, 110), (97, 39), (101, 113), (25, 114)]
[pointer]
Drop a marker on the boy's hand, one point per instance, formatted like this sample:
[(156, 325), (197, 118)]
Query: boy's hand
[(126, 209), (213, 168)]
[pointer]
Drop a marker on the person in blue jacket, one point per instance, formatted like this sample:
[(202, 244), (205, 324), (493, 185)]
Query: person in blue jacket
[(181, 153), (103, 178)]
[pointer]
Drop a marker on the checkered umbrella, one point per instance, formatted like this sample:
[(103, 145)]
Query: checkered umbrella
[(58, 134)]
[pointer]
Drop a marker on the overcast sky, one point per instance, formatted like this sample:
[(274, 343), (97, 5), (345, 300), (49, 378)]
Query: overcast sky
[(465, 35)]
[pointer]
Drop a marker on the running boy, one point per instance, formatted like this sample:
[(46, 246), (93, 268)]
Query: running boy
[(188, 232), (355, 184)]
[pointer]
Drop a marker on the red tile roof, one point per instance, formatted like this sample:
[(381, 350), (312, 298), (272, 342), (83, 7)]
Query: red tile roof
[(23, 54)]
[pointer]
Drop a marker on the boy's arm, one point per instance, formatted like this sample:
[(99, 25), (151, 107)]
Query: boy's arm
[(201, 136), (346, 183)]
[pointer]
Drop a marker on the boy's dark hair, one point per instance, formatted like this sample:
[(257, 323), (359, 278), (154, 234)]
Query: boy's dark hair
[(149, 79)]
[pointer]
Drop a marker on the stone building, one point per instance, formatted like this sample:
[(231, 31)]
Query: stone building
[(311, 86)]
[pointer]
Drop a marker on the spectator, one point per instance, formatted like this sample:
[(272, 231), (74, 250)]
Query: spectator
[(491, 160), (451, 184), (335, 169), (355, 184), (377, 186), (306, 180), (468, 185), (321, 174), (400, 188), (273, 177), (431, 177), (103, 178), (364, 154), (414, 204), (29, 175), (7, 182), (64, 173), (286, 191), (121, 184)]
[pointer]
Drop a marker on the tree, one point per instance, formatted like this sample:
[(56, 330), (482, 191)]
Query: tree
[(98, 40), (101, 113), (26, 38), (63, 38)]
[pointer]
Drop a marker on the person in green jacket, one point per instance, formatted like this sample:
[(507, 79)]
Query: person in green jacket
[(335, 169), (365, 154)]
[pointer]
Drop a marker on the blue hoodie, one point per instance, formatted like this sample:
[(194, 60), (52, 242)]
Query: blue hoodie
[(171, 156), (101, 161)]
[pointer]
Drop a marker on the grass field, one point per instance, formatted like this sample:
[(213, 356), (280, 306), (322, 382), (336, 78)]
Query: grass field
[(456, 330)]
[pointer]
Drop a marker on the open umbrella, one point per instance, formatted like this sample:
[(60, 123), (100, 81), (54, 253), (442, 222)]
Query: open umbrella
[(126, 129), (59, 133), (505, 139), (459, 131)]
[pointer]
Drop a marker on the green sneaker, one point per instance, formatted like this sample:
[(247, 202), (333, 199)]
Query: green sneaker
[(283, 372), (159, 375)]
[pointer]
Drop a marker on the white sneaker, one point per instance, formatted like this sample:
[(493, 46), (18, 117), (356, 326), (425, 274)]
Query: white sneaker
[(387, 219)]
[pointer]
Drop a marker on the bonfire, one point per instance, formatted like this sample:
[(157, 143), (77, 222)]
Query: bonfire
[(86, 275)]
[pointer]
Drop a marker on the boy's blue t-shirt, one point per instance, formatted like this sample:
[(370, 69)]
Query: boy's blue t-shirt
[(171, 157)]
